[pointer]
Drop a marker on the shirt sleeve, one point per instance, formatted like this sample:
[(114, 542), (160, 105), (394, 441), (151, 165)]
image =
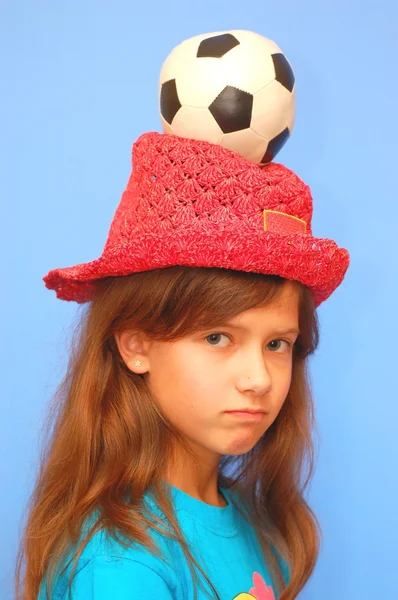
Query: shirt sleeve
[(120, 579)]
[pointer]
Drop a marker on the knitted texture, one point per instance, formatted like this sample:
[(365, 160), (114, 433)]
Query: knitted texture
[(197, 204)]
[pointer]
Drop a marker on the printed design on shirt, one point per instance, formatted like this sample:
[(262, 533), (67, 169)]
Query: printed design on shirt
[(260, 591)]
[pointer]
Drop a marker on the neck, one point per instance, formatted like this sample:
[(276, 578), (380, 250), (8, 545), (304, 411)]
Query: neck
[(197, 478)]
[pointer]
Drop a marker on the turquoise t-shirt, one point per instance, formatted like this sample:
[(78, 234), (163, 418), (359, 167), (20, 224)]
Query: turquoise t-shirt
[(219, 538)]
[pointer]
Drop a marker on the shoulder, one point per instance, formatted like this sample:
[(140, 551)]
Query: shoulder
[(105, 548), (105, 576), (108, 569)]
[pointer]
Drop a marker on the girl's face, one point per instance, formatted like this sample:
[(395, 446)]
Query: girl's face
[(247, 364)]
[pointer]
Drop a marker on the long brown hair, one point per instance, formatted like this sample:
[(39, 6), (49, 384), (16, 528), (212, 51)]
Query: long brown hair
[(110, 440)]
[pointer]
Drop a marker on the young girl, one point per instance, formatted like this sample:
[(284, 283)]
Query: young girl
[(182, 447)]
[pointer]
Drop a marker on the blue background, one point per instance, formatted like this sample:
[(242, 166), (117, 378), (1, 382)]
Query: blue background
[(78, 85)]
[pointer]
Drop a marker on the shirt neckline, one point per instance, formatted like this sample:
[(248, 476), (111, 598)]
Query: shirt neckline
[(218, 519)]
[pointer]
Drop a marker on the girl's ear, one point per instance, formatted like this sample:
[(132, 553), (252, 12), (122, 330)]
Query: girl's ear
[(132, 349)]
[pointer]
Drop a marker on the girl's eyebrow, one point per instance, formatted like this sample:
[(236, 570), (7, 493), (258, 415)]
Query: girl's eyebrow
[(274, 331)]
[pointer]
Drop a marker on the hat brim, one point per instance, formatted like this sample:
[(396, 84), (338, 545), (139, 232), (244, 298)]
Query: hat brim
[(318, 263)]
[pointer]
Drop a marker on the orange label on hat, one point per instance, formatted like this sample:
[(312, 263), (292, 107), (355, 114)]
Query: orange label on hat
[(279, 222)]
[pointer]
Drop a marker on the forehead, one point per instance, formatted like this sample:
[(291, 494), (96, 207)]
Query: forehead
[(283, 310)]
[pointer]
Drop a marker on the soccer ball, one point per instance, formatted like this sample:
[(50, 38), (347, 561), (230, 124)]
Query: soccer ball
[(233, 88)]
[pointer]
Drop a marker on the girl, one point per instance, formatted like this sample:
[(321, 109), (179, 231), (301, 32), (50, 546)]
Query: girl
[(181, 445)]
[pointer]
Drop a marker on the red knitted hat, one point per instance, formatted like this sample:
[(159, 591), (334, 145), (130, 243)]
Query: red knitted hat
[(197, 204)]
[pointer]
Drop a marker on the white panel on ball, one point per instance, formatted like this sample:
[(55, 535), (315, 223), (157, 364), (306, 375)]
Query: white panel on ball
[(291, 112), (270, 107), (196, 123), (200, 82), (176, 61), (242, 71), (180, 57), (244, 35), (246, 142), (166, 127)]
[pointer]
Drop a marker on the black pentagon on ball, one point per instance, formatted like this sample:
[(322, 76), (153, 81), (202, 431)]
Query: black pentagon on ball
[(232, 109), (217, 46), (169, 101), (275, 145), (283, 71)]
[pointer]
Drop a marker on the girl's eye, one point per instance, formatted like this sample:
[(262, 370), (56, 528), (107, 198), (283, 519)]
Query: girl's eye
[(217, 335), (214, 335)]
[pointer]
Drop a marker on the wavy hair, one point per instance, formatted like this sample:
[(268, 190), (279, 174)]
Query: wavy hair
[(110, 441)]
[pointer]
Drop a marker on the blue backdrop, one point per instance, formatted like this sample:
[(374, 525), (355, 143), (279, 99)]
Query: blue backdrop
[(78, 85)]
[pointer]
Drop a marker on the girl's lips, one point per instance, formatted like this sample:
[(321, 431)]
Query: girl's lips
[(246, 416)]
